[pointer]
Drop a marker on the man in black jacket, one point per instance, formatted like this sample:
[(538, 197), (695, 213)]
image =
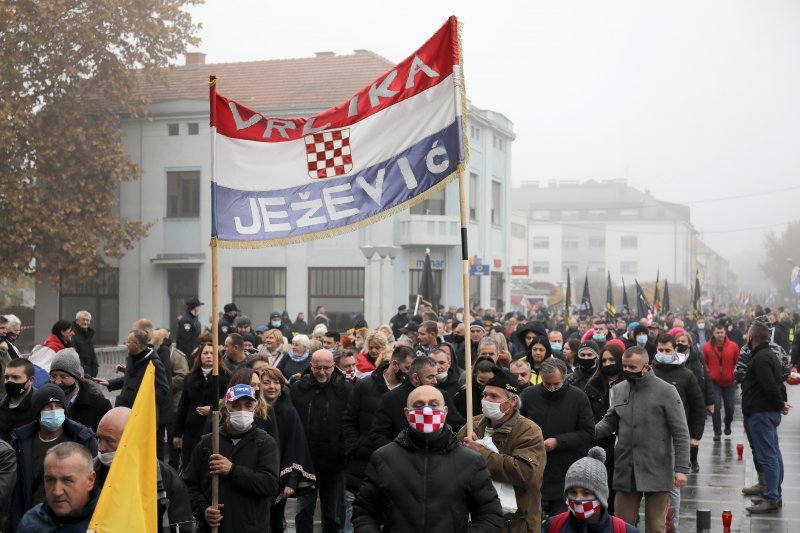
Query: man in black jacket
[(83, 342), (389, 418), (399, 321), (189, 327), (565, 416), (175, 500), (360, 411), (320, 397), (16, 409), (446, 375), (247, 466), (139, 355), (763, 402), (225, 324), (456, 485)]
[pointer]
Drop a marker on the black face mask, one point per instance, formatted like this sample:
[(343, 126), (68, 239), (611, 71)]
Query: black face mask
[(682, 348), (15, 390), (611, 370), (633, 377), (458, 338), (68, 388), (555, 394), (587, 364), (400, 376)]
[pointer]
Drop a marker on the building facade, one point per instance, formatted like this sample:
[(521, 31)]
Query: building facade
[(363, 273)]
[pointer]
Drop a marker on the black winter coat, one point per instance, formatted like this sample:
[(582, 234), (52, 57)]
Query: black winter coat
[(128, 385), (248, 490), (567, 416), (698, 367), (419, 486), (83, 342), (88, 407), (189, 328), (11, 419), (357, 423), (321, 407), (197, 392), (762, 388), (579, 377), (390, 418), (452, 384), (694, 405)]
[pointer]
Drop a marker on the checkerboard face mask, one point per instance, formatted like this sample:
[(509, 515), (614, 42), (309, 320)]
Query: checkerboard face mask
[(426, 419), (583, 509)]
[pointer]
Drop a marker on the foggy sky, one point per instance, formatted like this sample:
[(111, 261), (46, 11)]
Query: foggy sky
[(693, 100)]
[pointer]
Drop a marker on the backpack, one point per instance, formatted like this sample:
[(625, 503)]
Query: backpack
[(559, 520)]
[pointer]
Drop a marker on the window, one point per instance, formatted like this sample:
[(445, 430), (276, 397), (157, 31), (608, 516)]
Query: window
[(518, 230), (475, 133), (340, 291), (597, 242), (173, 130), (414, 279), (629, 212), (182, 284), (541, 242), (183, 194), (497, 198), (193, 128), (100, 296), (597, 267), (432, 205), (499, 143), (259, 291), (569, 242), (541, 267), (628, 267), (629, 241), (497, 287), (473, 197)]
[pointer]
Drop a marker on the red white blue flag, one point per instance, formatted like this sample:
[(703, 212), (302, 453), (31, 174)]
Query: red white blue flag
[(278, 181)]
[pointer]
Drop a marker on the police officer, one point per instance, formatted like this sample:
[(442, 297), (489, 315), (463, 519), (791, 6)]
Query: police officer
[(226, 322), (189, 327)]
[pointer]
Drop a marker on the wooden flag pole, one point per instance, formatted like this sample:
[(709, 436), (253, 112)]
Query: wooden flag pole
[(462, 192), (212, 82)]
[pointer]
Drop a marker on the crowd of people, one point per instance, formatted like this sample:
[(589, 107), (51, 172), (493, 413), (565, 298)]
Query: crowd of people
[(576, 419)]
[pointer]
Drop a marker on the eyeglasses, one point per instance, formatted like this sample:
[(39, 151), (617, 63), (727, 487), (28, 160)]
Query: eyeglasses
[(317, 367)]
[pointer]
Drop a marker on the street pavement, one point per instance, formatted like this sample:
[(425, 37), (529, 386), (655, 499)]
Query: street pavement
[(718, 485)]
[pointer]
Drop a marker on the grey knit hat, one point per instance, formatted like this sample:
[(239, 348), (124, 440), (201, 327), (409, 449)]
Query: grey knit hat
[(67, 360), (590, 473)]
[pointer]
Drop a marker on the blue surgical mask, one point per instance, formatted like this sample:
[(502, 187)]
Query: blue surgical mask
[(641, 339), (599, 337), (556, 346), (663, 358), (276, 323), (52, 420)]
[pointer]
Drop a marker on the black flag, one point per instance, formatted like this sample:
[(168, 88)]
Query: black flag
[(426, 288), (665, 300), (586, 299), (610, 298), (568, 298), (626, 308), (642, 305), (656, 296), (697, 307)]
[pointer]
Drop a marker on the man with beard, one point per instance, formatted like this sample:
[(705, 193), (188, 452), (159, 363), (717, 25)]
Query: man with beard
[(459, 493), (389, 419), (16, 409)]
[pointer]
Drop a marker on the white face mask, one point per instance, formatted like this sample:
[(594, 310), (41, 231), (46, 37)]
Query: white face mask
[(492, 410), (441, 377), (106, 458), (241, 420)]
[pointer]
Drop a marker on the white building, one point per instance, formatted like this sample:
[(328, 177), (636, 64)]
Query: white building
[(367, 272), (597, 227)]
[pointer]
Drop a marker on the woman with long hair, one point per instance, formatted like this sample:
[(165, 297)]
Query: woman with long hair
[(196, 400), (296, 469)]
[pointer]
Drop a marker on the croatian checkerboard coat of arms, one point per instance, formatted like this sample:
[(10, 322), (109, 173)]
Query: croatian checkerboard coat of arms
[(328, 153)]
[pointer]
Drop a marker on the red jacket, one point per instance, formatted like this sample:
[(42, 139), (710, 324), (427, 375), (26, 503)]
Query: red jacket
[(363, 364), (721, 360)]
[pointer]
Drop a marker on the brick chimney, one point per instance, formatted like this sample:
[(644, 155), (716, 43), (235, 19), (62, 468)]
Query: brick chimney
[(195, 58)]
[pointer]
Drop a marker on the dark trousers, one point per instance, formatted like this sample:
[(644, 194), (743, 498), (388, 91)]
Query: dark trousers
[(723, 396), (276, 517), (330, 487)]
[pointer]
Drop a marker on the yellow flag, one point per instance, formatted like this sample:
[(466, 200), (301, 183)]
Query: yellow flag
[(128, 500)]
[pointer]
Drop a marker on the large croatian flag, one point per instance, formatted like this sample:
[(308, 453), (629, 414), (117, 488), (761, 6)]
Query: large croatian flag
[(278, 181)]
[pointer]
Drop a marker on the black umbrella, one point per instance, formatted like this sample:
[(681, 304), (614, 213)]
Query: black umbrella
[(427, 290)]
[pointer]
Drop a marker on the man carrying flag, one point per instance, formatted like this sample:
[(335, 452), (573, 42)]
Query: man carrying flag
[(247, 466)]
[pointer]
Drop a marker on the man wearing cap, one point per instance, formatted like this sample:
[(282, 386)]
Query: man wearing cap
[(477, 331), (31, 442), (226, 321), (276, 322), (247, 466), (520, 457), (84, 406), (399, 321), (189, 327), (457, 495)]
